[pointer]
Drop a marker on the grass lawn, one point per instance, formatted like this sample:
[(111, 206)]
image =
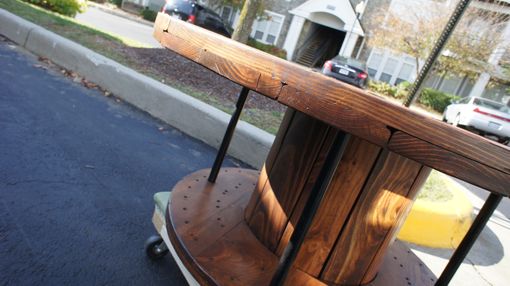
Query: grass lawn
[(437, 188), (114, 47)]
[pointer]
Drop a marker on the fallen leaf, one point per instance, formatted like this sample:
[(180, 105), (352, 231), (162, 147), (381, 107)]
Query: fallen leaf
[(88, 84), (41, 67)]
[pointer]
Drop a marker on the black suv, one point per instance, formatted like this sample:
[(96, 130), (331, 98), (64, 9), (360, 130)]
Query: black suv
[(191, 11)]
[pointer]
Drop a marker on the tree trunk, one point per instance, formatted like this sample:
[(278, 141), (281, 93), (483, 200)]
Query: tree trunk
[(246, 18)]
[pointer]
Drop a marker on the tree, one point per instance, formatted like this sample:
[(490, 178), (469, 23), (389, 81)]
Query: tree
[(250, 9), (248, 14), (415, 31)]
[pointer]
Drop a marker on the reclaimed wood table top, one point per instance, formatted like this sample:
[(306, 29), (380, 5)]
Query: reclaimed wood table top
[(448, 149)]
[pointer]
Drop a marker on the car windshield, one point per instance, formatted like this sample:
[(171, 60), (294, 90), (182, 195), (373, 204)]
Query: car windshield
[(349, 61), (183, 6), (491, 104)]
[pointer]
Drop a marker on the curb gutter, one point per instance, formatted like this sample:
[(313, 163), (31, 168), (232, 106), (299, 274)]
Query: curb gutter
[(193, 117)]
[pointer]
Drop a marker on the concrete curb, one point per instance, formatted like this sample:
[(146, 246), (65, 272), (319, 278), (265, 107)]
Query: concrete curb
[(195, 118), (440, 224)]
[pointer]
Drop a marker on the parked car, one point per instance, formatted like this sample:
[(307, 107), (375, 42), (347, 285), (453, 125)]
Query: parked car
[(193, 12), (347, 70), (480, 115)]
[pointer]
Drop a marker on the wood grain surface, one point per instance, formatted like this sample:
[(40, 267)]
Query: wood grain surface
[(212, 238), (374, 218), (341, 105), (480, 174), (286, 181), (374, 267), (338, 202)]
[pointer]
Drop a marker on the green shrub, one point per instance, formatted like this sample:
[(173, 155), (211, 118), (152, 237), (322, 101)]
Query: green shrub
[(65, 7), (116, 2), (270, 49), (436, 99), (148, 14), (382, 88), (403, 89)]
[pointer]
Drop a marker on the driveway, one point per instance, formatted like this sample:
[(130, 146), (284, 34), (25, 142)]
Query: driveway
[(119, 26), (77, 175)]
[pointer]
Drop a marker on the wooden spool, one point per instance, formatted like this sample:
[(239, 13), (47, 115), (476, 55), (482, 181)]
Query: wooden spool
[(233, 232)]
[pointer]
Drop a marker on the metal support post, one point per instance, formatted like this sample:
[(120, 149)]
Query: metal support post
[(228, 135), (467, 242)]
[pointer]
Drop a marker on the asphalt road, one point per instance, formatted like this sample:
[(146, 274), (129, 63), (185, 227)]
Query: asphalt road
[(120, 26), (77, 175)]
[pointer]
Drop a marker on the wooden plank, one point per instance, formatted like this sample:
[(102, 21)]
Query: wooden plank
[(307, 189), (374, 267), (230, 255), (215, 201), (249, 67), (280, 136), (480, 174), (287, 178), (373, 220), (338, 202), (359, 122), (346, 107), (256, 194)]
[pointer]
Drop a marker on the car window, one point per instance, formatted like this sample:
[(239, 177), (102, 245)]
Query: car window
[(464, 100), (490, 104), (505, 109), (351, 62), (184, 6)]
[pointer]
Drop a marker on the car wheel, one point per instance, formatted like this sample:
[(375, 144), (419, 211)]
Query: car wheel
[(504, 141), (456, 120)]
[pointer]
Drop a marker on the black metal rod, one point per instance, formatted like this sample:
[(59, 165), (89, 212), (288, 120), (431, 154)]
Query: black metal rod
[(467, 242), (436, 50), (319, 190), (228, 135)]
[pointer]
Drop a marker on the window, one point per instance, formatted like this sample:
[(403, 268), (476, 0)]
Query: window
[(375, 61), (226, 14), (268, 28), (389, 69), (405, 73)]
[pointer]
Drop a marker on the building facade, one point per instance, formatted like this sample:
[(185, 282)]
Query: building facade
[(393, 67)]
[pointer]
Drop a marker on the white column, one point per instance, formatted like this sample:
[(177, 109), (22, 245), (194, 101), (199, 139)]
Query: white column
[(480, 84), (348, 44), (293, 35), (494, 58)]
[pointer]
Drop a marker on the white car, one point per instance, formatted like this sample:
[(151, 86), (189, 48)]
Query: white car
[(480, 115)]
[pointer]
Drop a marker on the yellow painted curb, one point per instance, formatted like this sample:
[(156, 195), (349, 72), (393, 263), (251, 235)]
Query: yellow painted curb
[(439, 224)]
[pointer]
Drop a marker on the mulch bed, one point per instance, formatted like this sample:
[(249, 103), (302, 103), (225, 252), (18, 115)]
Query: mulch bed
[(175, 69)]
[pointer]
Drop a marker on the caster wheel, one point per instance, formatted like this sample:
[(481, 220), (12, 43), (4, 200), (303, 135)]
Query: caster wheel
[(155, 247)]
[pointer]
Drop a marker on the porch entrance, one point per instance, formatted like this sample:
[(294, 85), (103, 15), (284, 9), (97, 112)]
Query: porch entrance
[(320, 44)]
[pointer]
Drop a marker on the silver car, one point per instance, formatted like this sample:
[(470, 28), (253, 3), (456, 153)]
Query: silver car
[(482, 116)]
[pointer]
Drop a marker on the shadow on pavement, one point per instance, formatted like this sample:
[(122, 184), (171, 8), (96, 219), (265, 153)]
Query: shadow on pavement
[(486, 251)]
